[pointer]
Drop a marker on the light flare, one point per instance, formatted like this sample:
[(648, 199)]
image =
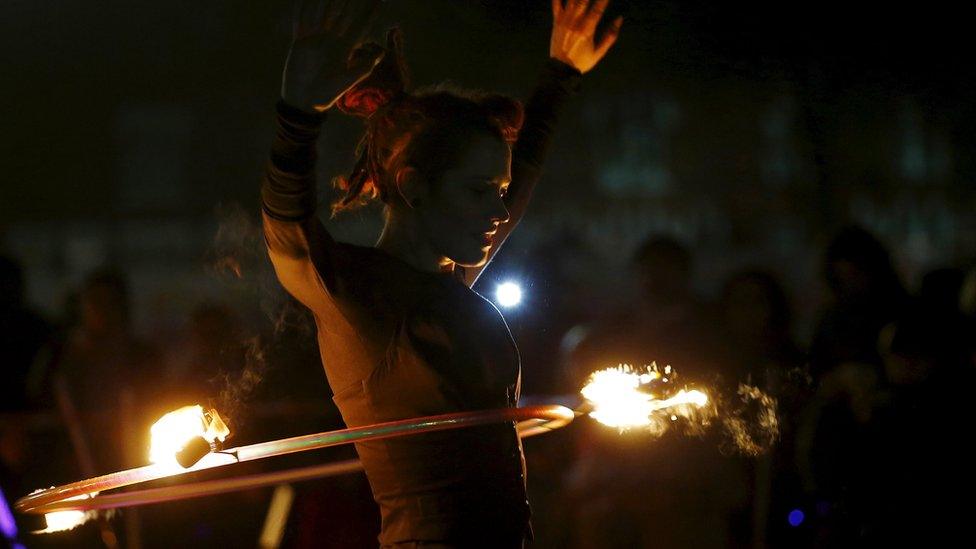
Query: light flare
[(508, 294), (174, 430), (623, 397)]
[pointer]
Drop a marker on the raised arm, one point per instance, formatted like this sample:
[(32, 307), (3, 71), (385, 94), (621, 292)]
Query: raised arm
[(319, 69), (573, 50)]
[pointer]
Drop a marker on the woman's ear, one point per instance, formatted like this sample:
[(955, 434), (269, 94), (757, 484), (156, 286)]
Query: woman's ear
[(412, 186)]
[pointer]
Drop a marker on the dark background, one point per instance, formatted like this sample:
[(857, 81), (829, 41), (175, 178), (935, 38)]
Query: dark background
[(135, 134), (749, 132)]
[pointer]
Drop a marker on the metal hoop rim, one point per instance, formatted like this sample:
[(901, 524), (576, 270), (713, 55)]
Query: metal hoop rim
[(533, 420)]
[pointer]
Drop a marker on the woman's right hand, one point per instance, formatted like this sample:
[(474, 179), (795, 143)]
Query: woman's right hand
[(319, 68)]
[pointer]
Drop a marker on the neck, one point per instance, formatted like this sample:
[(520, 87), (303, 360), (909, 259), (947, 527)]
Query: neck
[(404, 244)]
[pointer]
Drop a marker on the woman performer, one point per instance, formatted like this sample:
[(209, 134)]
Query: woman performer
[(400, 331)]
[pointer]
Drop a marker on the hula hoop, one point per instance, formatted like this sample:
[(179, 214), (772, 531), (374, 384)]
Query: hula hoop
[(532, 420)]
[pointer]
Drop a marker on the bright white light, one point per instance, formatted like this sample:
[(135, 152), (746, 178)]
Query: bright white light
[(508, 294), (59, 521), (171, 433)]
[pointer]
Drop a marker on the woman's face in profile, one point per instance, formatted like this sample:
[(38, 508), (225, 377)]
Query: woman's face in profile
[(466, 206)]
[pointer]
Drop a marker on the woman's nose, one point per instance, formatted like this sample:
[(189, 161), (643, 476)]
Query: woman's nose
[(499, 212)]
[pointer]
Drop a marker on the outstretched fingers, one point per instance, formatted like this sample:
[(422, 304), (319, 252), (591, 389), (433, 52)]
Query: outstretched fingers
[(593, 16), (609, 37), (304, 18), (357, 18), (575, 38), (577, 8), (334, 12), (557, 8), (319, 16), (581, 15)]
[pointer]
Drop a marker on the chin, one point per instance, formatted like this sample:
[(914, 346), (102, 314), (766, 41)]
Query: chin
[(472, 260)]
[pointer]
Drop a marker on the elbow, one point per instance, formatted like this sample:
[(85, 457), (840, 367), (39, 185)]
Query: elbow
[(285, 238)]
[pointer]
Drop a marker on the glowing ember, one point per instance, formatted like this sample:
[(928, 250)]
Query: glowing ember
[(61, 521), (174, 430), (621, 397)]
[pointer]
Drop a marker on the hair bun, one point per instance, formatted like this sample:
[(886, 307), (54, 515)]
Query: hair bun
[(507, 113), (386, 82)]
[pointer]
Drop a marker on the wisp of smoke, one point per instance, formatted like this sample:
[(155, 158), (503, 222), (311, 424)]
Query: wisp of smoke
[(750, 421), (240, 261)]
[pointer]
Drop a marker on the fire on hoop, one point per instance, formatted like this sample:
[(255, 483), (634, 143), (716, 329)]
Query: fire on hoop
[(625, 397), (186, 435)]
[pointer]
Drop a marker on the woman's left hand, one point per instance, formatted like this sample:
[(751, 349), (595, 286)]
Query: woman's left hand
[(574, 33)]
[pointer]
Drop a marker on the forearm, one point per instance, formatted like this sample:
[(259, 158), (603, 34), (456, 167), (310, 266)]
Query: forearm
[(288, 190), (557, 84), (574, 48), (292, 234)]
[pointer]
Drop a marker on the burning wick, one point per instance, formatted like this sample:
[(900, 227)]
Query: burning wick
[(194, 451), (621, 397), (186, 435)]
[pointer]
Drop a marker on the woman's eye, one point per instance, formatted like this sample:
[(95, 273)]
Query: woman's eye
[(490, 187)]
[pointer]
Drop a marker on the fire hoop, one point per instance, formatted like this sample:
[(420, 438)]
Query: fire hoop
[(532, 420)]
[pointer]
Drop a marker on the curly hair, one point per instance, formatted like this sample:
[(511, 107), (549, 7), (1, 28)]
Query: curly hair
[(427, 130)]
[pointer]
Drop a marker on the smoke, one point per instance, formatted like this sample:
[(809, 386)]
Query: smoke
[(750, 421), (655, 401), (240, 262), (740, 417)]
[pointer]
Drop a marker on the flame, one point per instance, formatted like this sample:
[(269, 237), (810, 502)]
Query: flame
[(171, 433), (621, 397), (60, 521), (63, 520), (694, 396)]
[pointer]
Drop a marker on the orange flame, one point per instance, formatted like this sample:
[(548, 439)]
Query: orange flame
[(60, 521), (621, 397), (171, 433)]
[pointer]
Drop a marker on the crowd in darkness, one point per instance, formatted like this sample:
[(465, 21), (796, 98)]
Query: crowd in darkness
[(872, 409)]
